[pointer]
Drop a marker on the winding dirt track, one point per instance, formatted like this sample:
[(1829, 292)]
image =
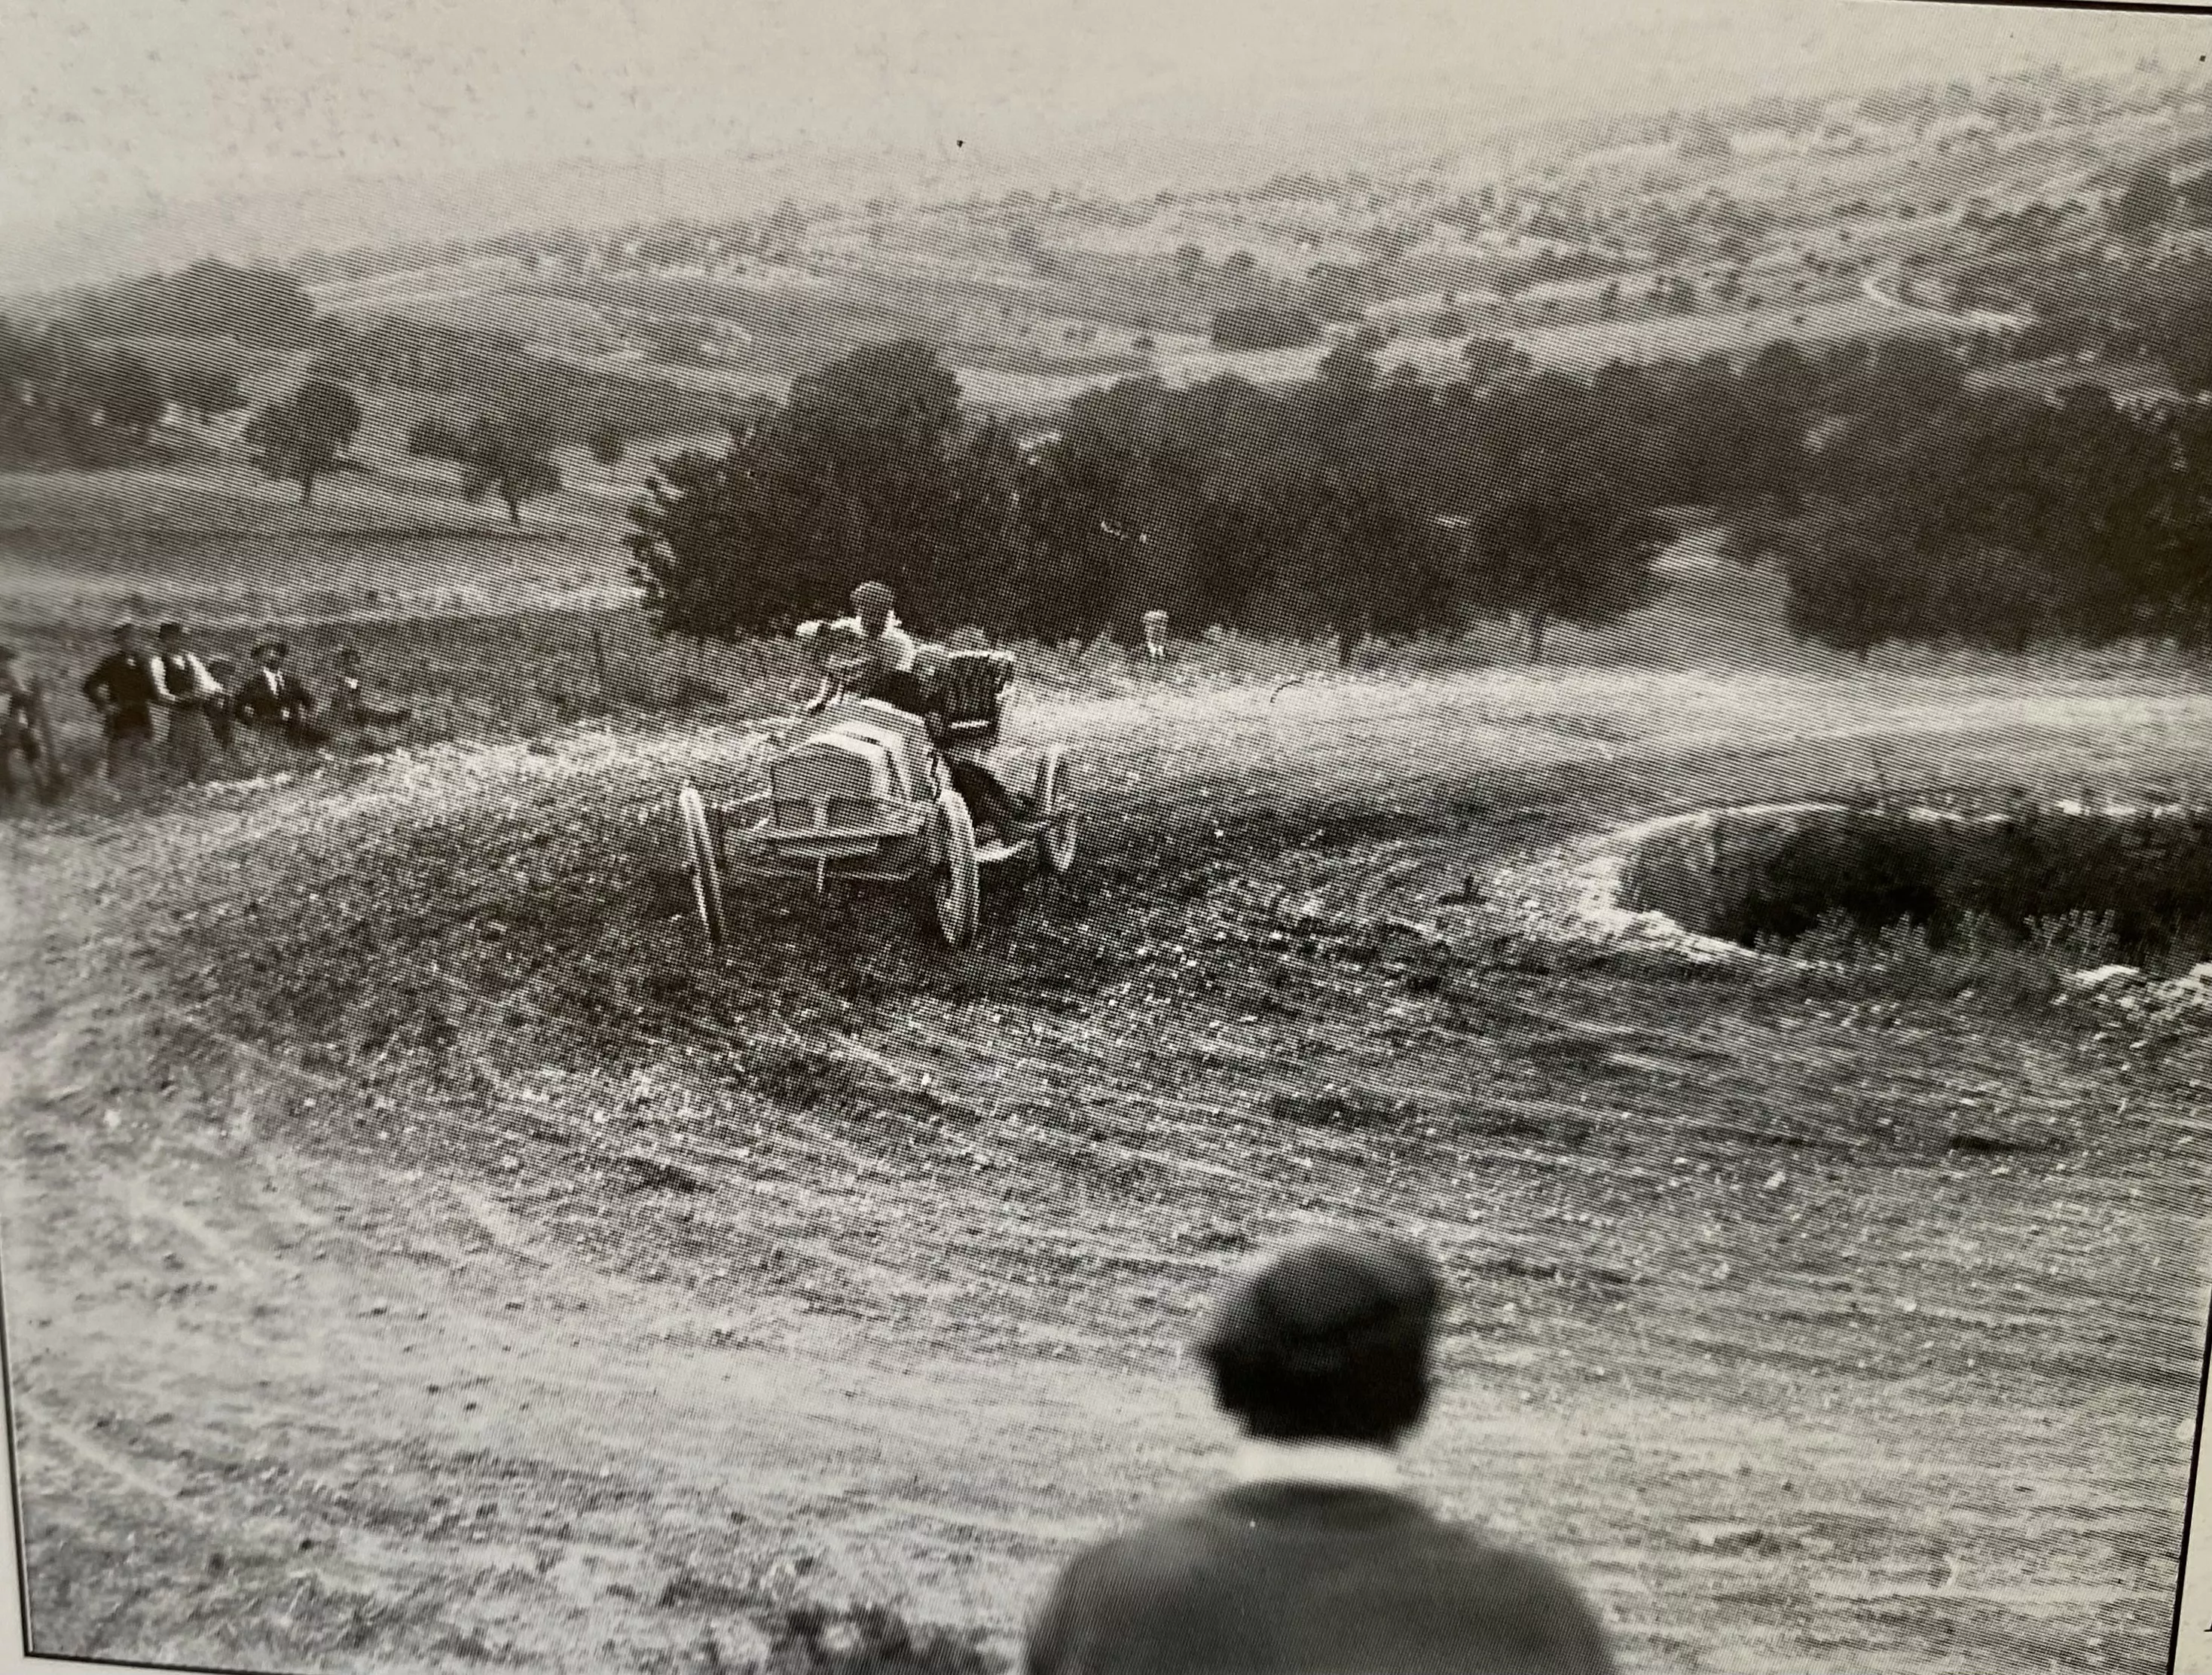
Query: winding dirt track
[(418, 1254)]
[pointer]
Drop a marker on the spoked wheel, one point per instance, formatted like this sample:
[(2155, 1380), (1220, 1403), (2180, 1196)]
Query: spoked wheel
[(1056, 802), (699, 869), (955, 886)]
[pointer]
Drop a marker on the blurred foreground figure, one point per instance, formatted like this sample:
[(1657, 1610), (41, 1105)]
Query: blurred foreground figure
[(19, 722), (1315, 1562)]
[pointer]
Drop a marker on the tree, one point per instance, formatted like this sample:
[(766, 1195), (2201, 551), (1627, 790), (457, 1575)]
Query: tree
[(206, 391), (2183, 334), (1190, 262), (1348, 370), (2139, 213), (1703, 140), (607, 444), (301, 439), (1259, 325), (128, 394), (511, 458), (1854, 582), (871, 471), (1364, 553), (1488, 358), (209, 299), (434, 439), (1995, 596), (1565, 554)]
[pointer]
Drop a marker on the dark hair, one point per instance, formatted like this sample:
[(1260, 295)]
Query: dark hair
[(1374, 1394), (1329, 1342)]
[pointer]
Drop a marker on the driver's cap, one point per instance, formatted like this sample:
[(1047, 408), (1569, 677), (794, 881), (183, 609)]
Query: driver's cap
[(872, 593)]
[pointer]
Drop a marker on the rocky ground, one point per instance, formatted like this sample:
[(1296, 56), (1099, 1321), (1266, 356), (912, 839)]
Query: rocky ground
[(420, 1253)]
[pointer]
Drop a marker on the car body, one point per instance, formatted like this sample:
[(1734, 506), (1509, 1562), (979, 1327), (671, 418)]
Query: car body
[(862, 792)]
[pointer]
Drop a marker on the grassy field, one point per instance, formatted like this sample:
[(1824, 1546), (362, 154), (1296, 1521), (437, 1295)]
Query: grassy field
[(1034, 302), (484, 631)]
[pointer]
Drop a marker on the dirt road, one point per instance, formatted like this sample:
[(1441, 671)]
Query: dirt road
[(419, 1256)]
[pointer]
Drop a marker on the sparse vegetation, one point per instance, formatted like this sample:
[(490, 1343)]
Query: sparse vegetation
[(2045, 893)]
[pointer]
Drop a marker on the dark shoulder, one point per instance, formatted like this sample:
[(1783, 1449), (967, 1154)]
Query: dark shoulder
[(1527, 1597), (1180, 1543), (1109, 1589)]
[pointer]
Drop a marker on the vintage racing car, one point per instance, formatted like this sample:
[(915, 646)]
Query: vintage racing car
[(863, 792)]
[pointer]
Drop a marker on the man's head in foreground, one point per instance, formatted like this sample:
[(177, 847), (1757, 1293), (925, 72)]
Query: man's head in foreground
[(1327, 1342)]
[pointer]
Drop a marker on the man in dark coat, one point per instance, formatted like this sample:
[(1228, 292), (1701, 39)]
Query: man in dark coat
[(121, 688), (273, 697), (350, 706), (1315, 1563)]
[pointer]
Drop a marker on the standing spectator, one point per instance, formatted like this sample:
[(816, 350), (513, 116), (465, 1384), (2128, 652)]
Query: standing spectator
[(19, 725), (182, 685), (121, 688), (352, 708), (221, 710), (274, 697), (1156, 637), (1316, 1561)]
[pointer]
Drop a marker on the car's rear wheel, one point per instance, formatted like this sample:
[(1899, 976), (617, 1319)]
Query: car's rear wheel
[(955, 885), (1055, 803), (699, 869)]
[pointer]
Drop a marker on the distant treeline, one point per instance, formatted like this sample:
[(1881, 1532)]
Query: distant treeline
[(64, 403), (87, 387), (1900, 503)]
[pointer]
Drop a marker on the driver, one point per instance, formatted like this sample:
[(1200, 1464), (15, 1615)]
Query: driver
[(881, 649), (879, 658)]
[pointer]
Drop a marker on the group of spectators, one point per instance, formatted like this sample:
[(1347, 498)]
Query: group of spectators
[(209, 711)]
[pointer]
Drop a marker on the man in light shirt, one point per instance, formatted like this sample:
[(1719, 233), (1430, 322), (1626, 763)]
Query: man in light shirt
[(1316, 1561), (882, 650)]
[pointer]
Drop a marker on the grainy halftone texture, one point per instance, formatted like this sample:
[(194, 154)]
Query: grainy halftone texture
[(425, 1249)]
